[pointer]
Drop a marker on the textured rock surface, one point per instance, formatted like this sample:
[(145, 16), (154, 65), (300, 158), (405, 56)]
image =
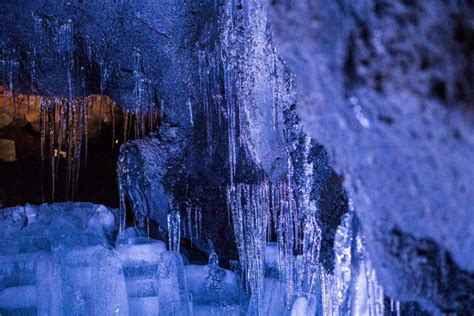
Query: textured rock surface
[(387, 87)]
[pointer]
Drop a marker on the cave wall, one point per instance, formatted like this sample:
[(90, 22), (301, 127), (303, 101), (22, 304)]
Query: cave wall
[(386, 87)]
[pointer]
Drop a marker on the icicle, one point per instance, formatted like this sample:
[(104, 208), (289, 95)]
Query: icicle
[(33, 71), (250, 210), (174, 230), (213, 257), (51, 117), (86, 130), (61, 131), (101, 98), (63, 122), (191, 120), (11, 72), (126, 118), (342, 261), (366, 293), (311, 251), (189, 222), (66, 50), (122, 193), (139, 79), (112, 114), (231, 117), (395, 307), (104, 76), (199, 215)]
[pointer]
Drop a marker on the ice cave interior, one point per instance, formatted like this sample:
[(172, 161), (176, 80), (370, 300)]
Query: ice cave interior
[(236, 157)]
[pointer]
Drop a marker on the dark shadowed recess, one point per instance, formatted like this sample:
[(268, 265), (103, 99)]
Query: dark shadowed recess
[(27, 180)]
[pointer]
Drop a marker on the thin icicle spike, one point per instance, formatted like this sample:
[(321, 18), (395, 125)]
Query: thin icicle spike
[(213, 257), (174, 230)]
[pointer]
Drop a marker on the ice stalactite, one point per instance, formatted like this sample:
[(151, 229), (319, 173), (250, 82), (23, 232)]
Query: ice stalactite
[(249, 205), (218, 76), (104, 76), (258, 211), (139, 123), (353, 289), (190, 109), (206, 67), (227, 54), (10, 70), (144, 116), (64, 132), (174, 230), (342, 262), (395, 307), (193, 223), (66, 51), (63, 125)]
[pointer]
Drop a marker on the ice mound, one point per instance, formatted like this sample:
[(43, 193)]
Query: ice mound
[(56, 259), (51, 226), (214, 287)]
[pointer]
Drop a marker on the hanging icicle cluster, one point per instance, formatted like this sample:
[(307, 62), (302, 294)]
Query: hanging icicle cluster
[(137, 123), (144, 115), (63, 135), (258, 212)]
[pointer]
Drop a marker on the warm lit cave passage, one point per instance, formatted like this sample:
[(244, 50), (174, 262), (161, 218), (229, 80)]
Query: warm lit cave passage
[(236, 158), (47, 159)]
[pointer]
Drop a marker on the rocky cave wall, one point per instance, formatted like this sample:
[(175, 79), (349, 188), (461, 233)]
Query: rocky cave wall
[(387, 87)]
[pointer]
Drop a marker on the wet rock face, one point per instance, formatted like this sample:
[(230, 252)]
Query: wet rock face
[(387, 87)]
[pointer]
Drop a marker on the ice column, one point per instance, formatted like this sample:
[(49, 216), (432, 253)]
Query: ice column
[(173, 293)]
